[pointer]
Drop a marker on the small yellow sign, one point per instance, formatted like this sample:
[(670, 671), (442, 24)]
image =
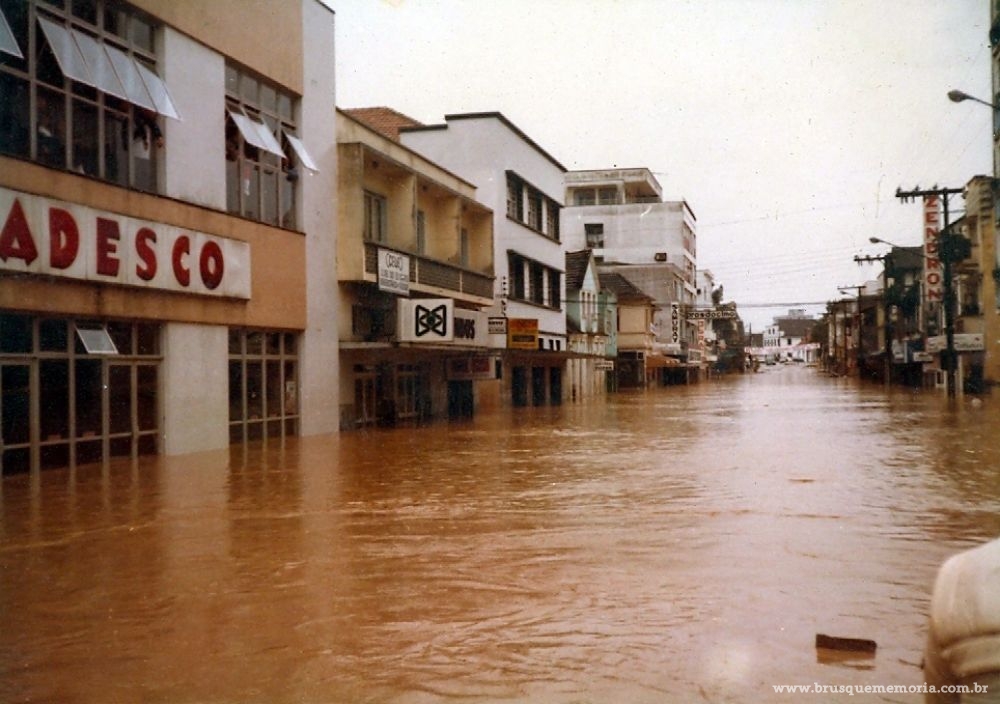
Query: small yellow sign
[(522, 333)]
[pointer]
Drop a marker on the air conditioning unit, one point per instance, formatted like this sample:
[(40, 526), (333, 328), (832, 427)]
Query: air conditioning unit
[(660, 256)]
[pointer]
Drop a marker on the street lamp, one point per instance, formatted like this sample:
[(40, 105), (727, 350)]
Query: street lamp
[(957, 96), (949, 250)]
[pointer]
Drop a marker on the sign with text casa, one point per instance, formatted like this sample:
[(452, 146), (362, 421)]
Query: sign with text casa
[(393, 272), (522, 333), (55, 238)]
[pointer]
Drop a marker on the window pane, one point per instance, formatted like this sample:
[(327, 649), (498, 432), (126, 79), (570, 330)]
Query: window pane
[(287, 202), (15, 403), (141, 33), (291, 390), (274, 391), (235, 341), (53, 398), (85, 135), (116, 147), (120, 398), (248, 89), (15, 112), (233, 186), (15, 333), (235, 391), (255, 343), (255, 390), (16, 13), (273, 343), (148, 338), (51, 128), (121, 335), (269, 196), (290, 343), (52, 336), (85, 10), (147, 393), (251, 191), (232, 81), (88, 398)]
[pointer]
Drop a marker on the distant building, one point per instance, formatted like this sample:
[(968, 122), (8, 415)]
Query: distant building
[(620, 214), (589, 324), (790, 336)]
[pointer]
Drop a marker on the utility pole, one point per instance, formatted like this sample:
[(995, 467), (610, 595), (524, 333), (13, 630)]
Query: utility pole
[(946, 250), (884, 258), (857, 325)]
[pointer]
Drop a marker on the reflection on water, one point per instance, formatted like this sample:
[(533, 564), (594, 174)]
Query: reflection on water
[(682, 544)]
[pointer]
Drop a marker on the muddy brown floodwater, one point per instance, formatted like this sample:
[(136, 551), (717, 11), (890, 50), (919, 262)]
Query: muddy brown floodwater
[(674, 545)]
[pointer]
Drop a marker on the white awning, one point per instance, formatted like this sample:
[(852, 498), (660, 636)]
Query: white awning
[(131, 80), (8, 44), (67, 53), (82, 58), (157, 91), (300, 151), (100, 66), (256, 133)]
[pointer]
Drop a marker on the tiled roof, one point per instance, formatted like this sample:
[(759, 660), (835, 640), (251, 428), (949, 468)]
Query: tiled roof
[(624, 289), (385, 121), (576, 268)]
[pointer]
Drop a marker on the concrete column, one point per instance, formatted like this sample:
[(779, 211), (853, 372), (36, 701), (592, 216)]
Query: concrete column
[(194, 387), (317, 124)]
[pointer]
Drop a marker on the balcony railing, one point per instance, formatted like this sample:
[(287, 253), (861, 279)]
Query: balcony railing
[(430, 272)]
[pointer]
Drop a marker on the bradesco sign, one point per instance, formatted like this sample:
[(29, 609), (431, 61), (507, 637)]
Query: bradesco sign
[(55, 238)]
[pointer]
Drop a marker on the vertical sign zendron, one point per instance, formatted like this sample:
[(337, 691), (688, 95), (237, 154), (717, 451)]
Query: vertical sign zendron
[(933, 279)]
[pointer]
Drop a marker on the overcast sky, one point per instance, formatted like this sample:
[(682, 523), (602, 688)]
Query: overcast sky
[(787, 125)]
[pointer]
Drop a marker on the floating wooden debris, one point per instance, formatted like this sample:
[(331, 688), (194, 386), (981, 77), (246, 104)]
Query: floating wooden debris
[(854, 645)]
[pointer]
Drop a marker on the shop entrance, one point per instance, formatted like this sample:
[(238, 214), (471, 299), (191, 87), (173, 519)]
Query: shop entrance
[(461, 399)]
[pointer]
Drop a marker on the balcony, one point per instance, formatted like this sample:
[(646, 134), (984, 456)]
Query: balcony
[(437, 275)]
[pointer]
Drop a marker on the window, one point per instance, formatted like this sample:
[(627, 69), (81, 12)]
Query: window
[(76, 392), (595, 235), (80, 90), (607, 196), (515, 197), (535, 209), (263, 156), (263, 384), (552, 219), (584, 196), (375, 217), (463, 251), (533, 282)]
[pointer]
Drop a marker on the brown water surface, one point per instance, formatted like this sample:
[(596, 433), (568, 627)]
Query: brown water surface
[(675, 545)]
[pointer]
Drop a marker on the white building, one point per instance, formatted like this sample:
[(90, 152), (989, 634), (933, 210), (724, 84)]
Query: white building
[(523, 185), (620, 214)]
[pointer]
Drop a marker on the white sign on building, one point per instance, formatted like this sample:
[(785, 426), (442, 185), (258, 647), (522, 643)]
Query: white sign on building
[(55, 238), (393, 272), (426, 320)]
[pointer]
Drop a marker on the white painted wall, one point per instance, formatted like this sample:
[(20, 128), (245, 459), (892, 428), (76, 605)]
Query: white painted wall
[(318, 354), (195, 160), (194, 387)]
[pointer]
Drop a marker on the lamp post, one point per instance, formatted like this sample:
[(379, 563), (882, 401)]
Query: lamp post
[(957, 96)]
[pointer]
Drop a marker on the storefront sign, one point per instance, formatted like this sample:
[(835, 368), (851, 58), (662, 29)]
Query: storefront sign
[(475, 368), (964, 342), (604, 365), (393, 272), (711, 314), (55, 238), (522, 333), (675, 323), (933, 276), (498, 326), (426, 320)]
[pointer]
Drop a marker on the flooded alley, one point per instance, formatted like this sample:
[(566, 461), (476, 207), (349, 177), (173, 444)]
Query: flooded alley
[(673, 545)]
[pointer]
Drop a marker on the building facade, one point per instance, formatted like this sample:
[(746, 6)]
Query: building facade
[(522, 184), (167, 188), (620, 214), (415, 271), (589, 320)]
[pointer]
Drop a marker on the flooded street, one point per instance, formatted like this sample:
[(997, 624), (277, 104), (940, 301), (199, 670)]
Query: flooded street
[(679, 544)]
